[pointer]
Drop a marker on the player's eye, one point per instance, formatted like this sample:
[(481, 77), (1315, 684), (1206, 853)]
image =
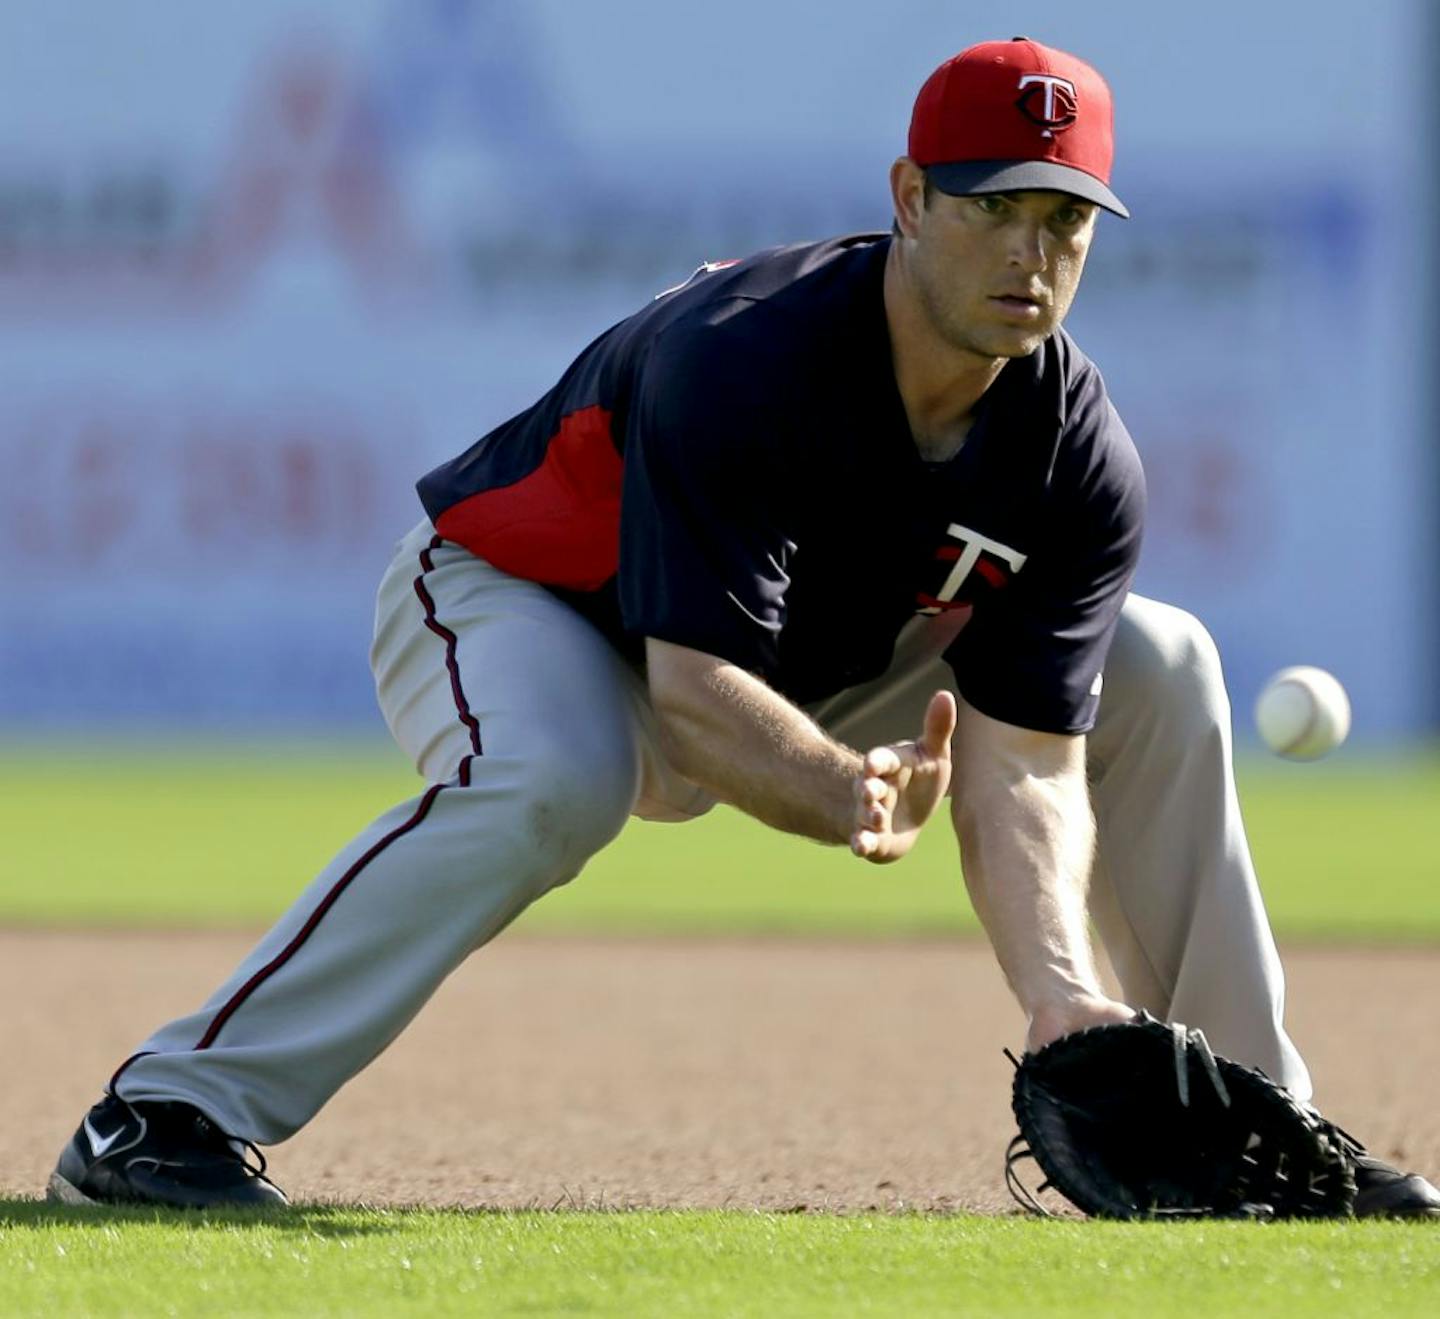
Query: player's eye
[(991, 203), (1070, 217)]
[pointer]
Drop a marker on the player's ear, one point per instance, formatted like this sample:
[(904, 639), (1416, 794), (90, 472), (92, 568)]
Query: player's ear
[(908, 194)]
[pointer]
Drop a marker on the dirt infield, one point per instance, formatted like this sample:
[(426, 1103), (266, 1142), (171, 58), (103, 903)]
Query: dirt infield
[(779, 1074)]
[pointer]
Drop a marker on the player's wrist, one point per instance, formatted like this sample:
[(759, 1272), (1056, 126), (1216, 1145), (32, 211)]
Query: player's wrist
[(1054, 1018)]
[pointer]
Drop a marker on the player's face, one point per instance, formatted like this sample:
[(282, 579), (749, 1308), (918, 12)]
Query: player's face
[(995, 274)]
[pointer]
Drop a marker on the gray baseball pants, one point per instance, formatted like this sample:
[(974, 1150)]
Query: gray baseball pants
[(538, 742)]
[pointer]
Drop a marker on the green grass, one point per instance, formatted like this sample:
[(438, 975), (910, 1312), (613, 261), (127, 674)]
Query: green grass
[(365, 1262), (1349, 849)]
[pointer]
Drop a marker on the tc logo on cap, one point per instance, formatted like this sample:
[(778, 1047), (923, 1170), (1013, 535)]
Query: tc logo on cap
[(1048, 102)]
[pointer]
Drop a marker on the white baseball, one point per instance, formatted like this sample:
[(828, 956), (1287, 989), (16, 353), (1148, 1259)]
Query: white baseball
[(1303, 713)]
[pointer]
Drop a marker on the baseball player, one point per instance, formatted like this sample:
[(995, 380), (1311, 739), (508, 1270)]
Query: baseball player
[(826, 533)]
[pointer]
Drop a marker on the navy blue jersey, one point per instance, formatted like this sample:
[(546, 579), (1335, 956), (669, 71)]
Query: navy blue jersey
[(731, 469)]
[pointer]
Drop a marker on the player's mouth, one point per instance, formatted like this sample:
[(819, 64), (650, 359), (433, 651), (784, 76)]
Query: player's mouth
[(1018, 306)]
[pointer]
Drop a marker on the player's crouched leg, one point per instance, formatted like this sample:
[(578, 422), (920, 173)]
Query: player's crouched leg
[(529, 732), (1174, 893)]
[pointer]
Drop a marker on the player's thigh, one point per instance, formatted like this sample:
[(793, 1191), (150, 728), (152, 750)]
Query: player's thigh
[(469, 661)]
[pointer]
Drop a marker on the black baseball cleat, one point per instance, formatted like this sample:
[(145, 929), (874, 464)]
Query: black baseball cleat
[(1385, 1192), (159, 1154)]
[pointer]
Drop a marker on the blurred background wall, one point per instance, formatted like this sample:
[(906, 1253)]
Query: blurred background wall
[(262, 265)]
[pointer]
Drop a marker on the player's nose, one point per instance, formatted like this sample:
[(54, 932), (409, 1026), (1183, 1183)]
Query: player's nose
[(1026, 248)]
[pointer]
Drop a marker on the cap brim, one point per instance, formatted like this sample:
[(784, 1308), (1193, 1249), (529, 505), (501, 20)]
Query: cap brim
[(969, 178)]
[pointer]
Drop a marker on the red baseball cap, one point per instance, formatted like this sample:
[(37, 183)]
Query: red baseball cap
[(1007, 115)]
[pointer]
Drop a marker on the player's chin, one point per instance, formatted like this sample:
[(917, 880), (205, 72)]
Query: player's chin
[(1015, 343), (1009, 340)]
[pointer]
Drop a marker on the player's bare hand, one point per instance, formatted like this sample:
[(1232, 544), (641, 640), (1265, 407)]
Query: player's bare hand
[(1052, 1020), (901, 784)]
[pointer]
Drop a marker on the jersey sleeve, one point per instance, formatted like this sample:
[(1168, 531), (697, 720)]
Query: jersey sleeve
[(704, 545), (1033, 655)]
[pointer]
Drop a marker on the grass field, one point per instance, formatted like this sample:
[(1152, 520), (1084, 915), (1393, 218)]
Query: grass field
[(363, 1262), (1346, 850)]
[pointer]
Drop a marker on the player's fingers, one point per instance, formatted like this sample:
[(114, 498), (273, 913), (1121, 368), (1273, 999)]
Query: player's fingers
[(882, 761), (864, 843), (872, 804), (940, 717)]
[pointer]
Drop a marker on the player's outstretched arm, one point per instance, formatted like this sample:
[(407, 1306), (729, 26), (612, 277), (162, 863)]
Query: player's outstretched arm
[(1021, 810), (728, 731)]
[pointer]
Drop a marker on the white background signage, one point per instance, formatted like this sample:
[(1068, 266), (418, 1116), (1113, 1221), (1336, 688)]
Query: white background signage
[(262, 265)]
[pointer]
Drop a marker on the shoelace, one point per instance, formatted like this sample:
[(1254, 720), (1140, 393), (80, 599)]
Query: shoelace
[(234, 1146)]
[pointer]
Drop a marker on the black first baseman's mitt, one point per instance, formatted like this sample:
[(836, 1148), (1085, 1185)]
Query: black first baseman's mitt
[(1141, 1120)]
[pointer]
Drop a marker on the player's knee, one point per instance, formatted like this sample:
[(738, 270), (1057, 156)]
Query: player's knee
[(570, 808), (1171, 660)]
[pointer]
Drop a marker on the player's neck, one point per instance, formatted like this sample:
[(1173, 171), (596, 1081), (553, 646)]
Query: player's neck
[(938, 383)]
